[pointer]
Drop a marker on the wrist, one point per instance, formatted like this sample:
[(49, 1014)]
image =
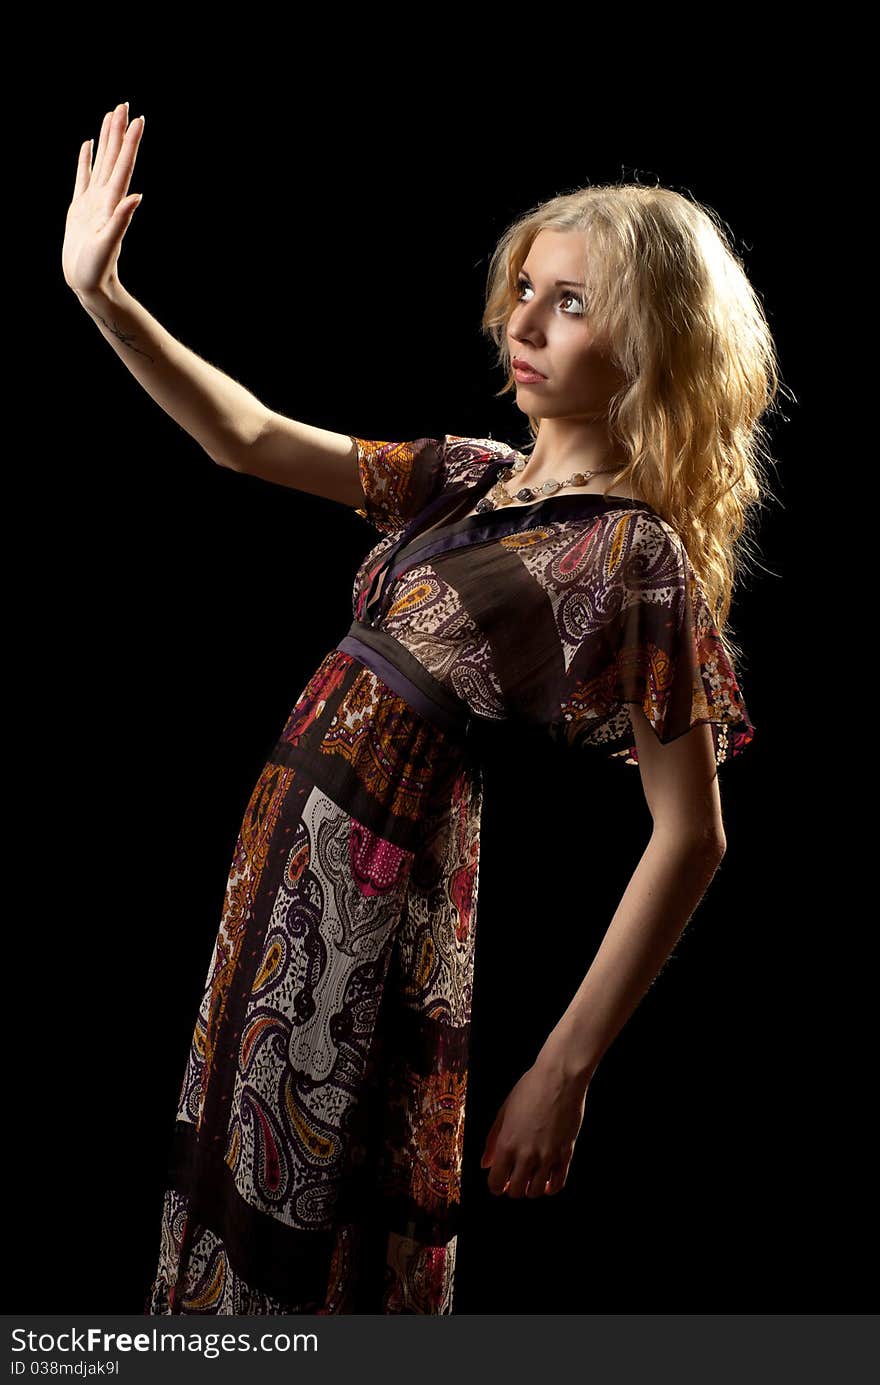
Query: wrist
[(572, 1064), (107, 295)]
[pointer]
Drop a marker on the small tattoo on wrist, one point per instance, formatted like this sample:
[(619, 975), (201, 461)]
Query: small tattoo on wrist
[(126, 338)]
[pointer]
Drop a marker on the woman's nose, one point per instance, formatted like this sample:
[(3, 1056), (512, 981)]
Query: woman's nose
[(527, 318)]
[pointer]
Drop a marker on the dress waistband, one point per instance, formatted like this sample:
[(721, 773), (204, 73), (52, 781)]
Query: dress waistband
[(406, 676)]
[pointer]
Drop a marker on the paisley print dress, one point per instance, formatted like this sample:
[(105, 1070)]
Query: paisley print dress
[(316, 1155)]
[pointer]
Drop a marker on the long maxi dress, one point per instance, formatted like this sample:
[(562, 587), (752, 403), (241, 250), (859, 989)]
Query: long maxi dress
[(315, 1164)]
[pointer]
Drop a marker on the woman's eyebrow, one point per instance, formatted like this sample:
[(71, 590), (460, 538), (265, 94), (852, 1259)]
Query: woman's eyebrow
[(560, 283)]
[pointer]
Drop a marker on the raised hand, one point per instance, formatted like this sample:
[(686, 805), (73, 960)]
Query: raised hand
[(102, 207)]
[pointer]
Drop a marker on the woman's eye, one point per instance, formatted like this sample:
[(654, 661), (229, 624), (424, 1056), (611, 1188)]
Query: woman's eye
[(574, 298), (566, 297)]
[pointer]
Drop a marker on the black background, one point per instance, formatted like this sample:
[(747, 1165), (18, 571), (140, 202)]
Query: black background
[(320, 228)]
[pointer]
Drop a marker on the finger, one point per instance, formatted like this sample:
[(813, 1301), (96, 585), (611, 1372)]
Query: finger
[(119, 221), (519, 1181), (556, 1181), (120, 178), (538, 1181), (102, 145), (489, 1147), (83, 168), (502, 1168), (115, 134), (131, 205)]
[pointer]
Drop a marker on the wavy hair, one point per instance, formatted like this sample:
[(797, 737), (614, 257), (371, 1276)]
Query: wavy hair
[(668, 294)]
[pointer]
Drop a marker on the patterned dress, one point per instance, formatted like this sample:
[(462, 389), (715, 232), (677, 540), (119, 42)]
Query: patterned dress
[(315, 1164)]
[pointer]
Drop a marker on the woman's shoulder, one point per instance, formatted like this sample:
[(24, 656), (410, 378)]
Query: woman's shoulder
[(465, 458), (652, 545), (489, 446), (650, 530)]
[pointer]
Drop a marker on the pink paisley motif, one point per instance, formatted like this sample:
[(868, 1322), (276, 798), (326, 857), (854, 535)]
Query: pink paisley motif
[(416, 1277), (573, 558), (271, 1162), (311, 703), (377, 865), (461, 890)]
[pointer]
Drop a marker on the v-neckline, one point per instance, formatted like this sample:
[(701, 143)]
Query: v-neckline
[(419, 540), (511, 519), (609, 501), (549, 506)]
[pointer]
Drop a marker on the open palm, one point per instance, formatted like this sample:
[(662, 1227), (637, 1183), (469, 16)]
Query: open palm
[(101, 209)]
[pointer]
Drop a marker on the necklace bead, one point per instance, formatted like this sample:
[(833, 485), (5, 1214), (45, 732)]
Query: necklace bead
[(499, 494)]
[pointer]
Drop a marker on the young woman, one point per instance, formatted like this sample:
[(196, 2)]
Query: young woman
[(579, 589)]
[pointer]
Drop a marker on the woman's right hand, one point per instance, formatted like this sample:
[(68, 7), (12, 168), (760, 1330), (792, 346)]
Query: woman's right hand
[(99, 214)]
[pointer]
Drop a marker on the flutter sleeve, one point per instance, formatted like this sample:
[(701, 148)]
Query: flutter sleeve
[(398, 479), (641, 631)]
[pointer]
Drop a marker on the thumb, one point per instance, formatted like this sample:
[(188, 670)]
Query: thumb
[(126, 209), (489, 1147)]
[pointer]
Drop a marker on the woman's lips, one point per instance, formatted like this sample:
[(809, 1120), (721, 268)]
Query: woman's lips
[(524, 376)]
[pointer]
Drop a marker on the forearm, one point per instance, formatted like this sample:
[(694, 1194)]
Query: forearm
[(222, 416), (664, 890)]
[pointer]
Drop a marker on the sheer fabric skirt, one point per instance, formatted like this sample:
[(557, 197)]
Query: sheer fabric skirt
[(316, 1156)]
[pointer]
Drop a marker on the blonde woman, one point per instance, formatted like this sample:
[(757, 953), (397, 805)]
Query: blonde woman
[(580, 589)]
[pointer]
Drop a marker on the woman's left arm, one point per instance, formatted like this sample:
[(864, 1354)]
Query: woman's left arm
[(530, 1145)]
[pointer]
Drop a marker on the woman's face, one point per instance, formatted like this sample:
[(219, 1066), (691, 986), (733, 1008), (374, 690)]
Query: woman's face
[(550, 329)]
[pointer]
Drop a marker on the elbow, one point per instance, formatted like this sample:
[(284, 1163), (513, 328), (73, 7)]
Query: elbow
[(239, 441), (706, 843), (710, 846), (714, 855), (715, 839), (231, 463), (231, 454)]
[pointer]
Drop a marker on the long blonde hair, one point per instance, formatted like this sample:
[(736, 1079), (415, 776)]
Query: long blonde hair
[(668, 294)]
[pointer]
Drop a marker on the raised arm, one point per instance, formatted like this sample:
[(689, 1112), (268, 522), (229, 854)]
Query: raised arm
[(233, 427)]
